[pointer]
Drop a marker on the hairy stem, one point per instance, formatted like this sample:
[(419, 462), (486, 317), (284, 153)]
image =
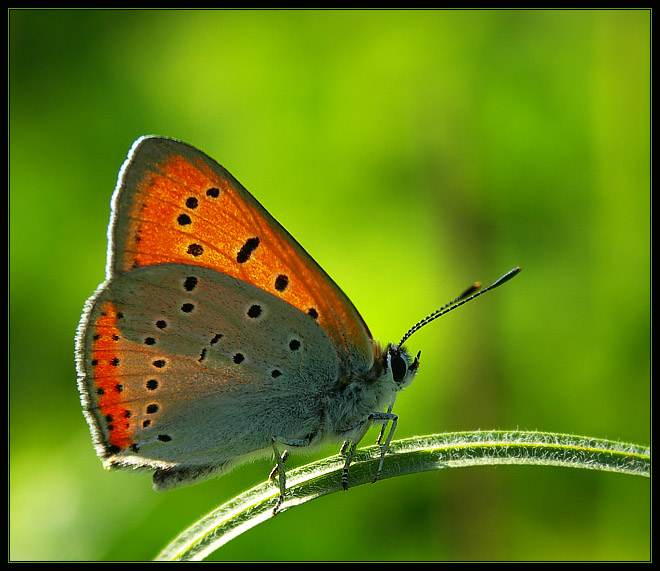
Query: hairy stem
[(412, 455)]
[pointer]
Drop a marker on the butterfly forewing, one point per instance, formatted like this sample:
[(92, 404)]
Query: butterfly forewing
[(175, 204)]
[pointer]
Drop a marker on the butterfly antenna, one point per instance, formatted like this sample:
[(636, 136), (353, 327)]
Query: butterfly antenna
[(468, 295)]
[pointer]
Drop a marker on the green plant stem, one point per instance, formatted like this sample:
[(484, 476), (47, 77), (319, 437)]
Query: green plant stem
[(419, 454)]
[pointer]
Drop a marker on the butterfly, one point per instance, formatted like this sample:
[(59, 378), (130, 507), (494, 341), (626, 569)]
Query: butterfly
[(216, 338)]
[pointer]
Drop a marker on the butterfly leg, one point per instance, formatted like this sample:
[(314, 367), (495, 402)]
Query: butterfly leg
[(280, 460), (360, 430), (276, 468), (349, 449), (382, 429), (384, 417)]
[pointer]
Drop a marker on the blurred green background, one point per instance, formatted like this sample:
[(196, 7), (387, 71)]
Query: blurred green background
[(411, 153)]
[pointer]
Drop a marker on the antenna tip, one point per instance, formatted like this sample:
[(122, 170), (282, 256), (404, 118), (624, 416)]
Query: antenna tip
[(506, 277)]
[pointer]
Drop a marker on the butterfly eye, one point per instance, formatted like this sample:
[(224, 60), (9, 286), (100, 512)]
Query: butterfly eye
[(398, 365)]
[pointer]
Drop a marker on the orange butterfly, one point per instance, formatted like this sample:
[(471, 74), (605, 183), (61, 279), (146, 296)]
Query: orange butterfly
[(215, 337)]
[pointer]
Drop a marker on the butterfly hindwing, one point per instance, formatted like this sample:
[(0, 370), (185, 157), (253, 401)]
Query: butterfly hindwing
[(187, 367)]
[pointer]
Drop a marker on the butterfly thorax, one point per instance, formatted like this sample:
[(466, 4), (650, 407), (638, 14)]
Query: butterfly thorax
[(372, 390)]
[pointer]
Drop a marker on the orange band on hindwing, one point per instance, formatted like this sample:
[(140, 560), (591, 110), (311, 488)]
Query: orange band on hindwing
[(107, 378)]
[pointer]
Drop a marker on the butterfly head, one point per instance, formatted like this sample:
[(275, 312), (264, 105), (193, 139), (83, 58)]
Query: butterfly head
[(400, 364)]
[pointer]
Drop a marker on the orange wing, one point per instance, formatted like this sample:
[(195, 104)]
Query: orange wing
[(175, 204)]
